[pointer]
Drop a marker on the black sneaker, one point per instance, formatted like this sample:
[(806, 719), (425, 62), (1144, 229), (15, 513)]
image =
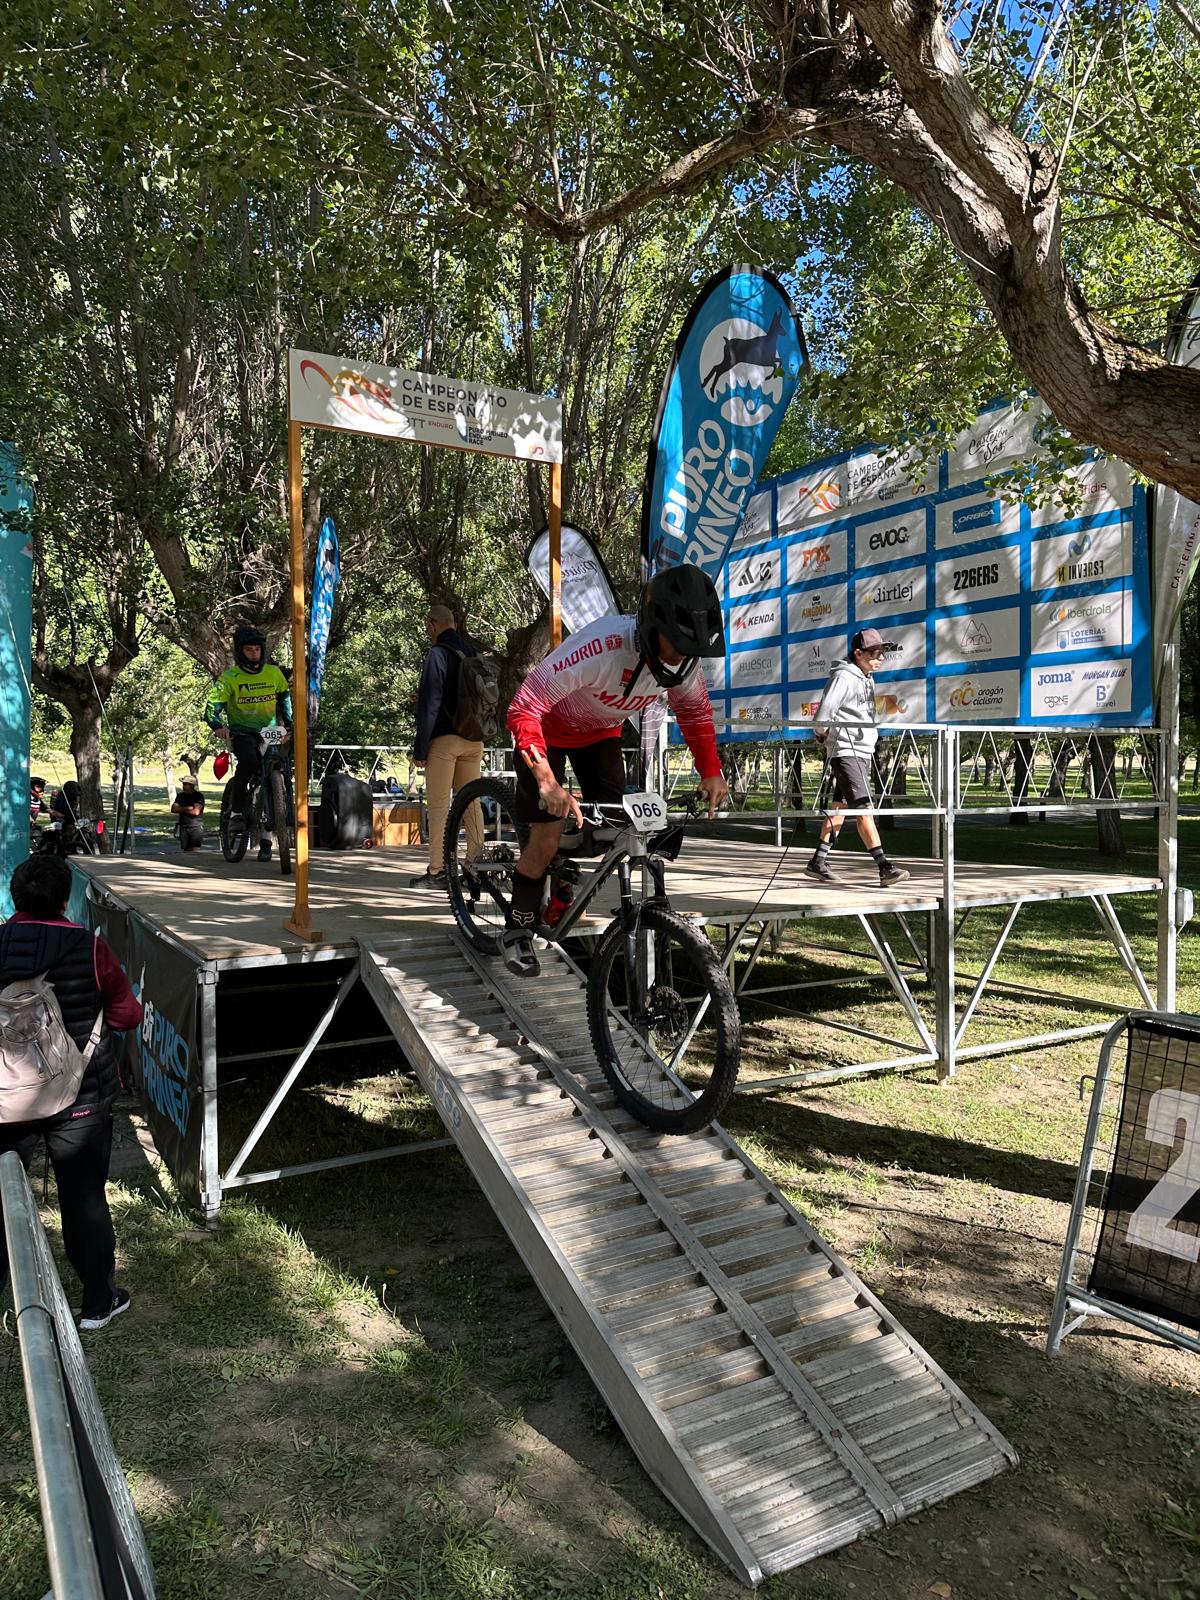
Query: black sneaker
[(889, 875), (121, 1302), (429, 880), (264, 852), (516, 946), (819, 870)]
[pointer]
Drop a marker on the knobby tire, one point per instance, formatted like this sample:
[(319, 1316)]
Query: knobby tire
[(722, 1017), (280, 815)]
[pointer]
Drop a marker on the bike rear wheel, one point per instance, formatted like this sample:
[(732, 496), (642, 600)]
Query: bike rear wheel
[(481, 888), (281, 814), (671, 1028), (235, 838)]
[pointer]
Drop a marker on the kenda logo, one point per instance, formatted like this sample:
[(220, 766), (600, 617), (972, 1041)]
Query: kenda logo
[(885, 593), (1054, 677), (755, 619), (889, 538)]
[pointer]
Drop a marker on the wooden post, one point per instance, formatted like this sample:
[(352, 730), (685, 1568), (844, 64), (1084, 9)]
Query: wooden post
[(300, 922), (555, 554)]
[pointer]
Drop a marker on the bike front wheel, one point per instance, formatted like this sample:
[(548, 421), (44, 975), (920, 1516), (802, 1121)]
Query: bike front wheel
[(667, 1033), (482, 846), (281, 816), (234, 836)]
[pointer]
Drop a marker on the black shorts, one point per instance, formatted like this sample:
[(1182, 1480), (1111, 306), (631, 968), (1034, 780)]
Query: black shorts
[(599, 767), (851, 781)]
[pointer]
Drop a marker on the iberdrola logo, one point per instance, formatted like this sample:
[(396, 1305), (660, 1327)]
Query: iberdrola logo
[(740, 360)]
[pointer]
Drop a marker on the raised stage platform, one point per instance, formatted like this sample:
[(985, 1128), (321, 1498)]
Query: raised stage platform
[(231, 914)]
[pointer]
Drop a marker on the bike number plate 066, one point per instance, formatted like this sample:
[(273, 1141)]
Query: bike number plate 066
[(647, 812)]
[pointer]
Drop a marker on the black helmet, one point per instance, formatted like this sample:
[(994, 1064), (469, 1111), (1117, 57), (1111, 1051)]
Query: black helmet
[(37, 783), (679, 605), (241, 638)]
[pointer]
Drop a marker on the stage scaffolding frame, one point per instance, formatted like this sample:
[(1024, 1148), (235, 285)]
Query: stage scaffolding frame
[(945, 762)]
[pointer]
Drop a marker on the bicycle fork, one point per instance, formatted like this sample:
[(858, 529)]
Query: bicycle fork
[(640, 955)]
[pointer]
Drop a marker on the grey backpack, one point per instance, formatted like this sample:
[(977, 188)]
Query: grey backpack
[(41, 1066), (477, 710)]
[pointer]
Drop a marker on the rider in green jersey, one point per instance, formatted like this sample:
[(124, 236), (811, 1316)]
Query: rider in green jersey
[(250, 696)]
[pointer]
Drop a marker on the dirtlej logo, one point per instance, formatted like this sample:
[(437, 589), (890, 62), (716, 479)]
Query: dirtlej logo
[(885, 593), (740, 360)]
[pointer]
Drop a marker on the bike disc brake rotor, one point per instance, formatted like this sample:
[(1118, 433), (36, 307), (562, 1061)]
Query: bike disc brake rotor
[(666, 1015)]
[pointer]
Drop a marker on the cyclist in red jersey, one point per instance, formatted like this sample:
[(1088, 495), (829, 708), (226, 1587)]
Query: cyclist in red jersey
[(574, 704)]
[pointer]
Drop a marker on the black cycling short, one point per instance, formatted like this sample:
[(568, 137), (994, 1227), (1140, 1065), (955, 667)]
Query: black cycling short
[(599, 767), (851, 781)]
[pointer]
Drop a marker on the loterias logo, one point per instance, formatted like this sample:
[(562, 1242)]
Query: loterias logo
[(740, 360)]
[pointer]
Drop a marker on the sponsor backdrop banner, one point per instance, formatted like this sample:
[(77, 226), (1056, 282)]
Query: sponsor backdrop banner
[(587, 589), (1176, 520), (327, 574), (734, 371), (328, 391), (996, 612)]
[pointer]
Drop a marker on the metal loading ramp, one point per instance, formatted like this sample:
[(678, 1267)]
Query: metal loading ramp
[(768, 1393)]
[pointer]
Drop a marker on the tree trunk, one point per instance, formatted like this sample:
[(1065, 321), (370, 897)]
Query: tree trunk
[(1102, 753), (85, 750), (169, 774), (1022, 771)]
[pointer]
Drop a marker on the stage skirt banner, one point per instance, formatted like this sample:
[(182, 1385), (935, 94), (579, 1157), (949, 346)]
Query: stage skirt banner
[(327, 574), (1176, 520), (734, 371), (993, 611), (1147, 1252), (587, 589), (329, 391), (165, 1051)]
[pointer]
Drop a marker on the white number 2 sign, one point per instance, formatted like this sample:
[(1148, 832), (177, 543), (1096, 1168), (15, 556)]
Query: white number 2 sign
[(1150, 1224)]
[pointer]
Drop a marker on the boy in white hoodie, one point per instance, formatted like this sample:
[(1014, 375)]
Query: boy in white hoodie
[(845, 724)]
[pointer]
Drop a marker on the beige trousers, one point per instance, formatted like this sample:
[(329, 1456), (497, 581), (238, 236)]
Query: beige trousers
[(451, 763)]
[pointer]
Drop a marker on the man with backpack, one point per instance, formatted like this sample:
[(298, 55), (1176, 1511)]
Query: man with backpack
[(457, 704), (62, 995)]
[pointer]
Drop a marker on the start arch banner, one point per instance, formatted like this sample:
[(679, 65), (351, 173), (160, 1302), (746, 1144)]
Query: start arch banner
[(995, 611)]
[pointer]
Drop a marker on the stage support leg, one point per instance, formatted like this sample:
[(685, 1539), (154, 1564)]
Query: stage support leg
[(555, 524), (944, 916), (300, 921), (1168, 828), (210, 1164)]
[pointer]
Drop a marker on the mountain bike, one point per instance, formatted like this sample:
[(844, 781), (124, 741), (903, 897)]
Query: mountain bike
[(662, 1015), (268, 803)]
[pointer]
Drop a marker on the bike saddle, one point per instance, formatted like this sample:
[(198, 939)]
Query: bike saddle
[(586, 841)]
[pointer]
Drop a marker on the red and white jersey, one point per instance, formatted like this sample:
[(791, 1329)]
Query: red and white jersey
[(581, 693)]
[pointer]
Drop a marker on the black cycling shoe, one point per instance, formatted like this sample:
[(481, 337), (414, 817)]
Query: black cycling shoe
[(264, 852), (521, 959)]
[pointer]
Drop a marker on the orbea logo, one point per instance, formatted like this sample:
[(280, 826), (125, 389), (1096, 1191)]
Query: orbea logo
[(740, 360)]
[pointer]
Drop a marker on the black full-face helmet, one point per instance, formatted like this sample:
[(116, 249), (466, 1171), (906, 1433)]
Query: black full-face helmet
[(244, 636), (679, 605)]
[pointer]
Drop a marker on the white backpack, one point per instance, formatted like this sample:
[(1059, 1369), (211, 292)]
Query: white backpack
[(41, 1066)]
